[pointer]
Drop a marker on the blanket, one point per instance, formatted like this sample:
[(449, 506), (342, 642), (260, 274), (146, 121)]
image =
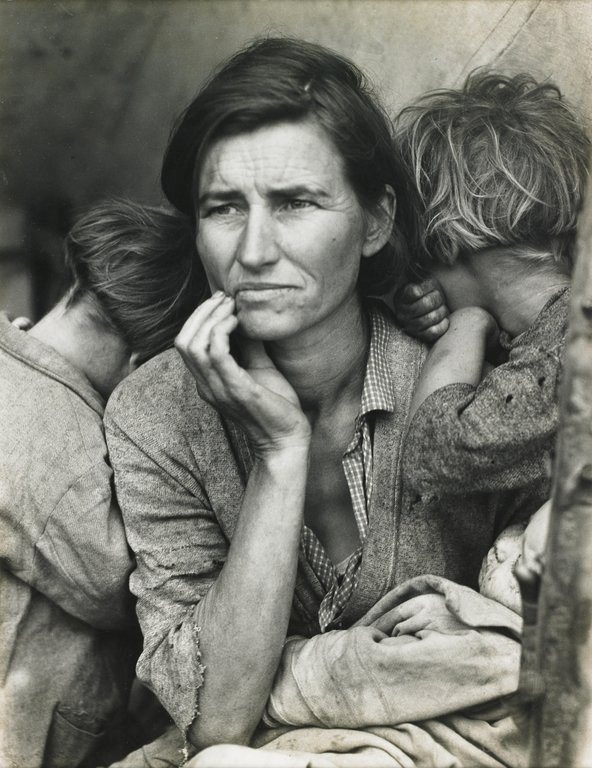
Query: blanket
[(406, 686), (427, 679)]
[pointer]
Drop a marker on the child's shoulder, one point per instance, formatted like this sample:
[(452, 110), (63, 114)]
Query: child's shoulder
[(550, 327)]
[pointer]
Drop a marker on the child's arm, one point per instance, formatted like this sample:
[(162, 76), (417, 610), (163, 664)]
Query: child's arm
[(496, 435), (458, 357)]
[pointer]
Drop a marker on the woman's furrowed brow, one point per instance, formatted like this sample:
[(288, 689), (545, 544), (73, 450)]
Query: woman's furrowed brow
[(279, 192), (219, 195), (299, 190)]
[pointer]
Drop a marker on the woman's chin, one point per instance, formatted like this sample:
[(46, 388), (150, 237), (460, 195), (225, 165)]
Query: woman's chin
[(263, 326)]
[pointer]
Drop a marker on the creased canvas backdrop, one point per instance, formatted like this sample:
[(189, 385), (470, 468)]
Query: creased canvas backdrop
[(89, 88)]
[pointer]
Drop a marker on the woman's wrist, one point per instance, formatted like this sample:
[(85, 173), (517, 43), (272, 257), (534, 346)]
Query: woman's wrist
[(286, 453)]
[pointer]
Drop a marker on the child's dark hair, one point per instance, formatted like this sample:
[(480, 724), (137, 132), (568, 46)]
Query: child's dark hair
[(500, 162), (138, 268), (282, 79)]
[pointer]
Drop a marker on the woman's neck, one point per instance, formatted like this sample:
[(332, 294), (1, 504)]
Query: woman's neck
[(326, 365)]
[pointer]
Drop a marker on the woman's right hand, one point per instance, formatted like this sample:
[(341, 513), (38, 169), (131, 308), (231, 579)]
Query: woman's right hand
[(255, 396)]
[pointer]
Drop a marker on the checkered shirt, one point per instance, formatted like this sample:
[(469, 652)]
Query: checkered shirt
[(340, 580)]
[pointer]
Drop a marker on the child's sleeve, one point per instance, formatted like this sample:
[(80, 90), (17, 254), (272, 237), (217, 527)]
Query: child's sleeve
[(493, 437)]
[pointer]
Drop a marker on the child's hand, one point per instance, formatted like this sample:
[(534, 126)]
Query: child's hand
[(421, 311)]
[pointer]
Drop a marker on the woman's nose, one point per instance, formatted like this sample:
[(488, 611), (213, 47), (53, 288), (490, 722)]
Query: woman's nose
[(257, 246)]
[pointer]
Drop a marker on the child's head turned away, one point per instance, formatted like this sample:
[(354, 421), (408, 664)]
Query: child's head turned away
[(501, 162)]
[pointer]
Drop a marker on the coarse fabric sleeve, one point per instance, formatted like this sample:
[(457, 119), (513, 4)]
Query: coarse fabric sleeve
[(362, 676), (81, 561), (61, 533), (497, 436), (178, 544)]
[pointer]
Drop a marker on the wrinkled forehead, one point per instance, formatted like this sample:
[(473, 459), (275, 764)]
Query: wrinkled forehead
[(284, 153)]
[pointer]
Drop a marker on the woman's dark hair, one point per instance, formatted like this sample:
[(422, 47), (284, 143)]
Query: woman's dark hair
[(138, 268), (279, 79)]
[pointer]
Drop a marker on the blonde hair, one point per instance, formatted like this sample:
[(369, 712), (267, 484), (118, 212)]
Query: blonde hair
[(500, 162)]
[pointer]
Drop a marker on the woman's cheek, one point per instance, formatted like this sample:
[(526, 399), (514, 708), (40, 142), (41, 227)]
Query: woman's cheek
[(215, 280)]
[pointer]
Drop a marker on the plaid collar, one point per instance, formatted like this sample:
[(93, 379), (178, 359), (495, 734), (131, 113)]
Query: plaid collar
[(378, 389)]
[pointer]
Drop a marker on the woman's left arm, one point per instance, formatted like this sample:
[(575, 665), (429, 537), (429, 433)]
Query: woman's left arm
[(418, 660)]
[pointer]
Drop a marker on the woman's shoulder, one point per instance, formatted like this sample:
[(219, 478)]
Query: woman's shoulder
[(161, 391), (163, 373), (398, 345)]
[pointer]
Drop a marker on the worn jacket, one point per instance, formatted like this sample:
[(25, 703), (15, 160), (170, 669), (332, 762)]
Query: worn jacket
[(65, 653), (500, 434), (180, 472)]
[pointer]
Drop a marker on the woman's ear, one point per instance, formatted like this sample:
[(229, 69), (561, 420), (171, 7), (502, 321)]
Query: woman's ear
[(133, 361), (380, 223)]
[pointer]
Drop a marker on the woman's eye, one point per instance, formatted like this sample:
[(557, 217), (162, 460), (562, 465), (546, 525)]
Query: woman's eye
[(299, 204), (221, 210)]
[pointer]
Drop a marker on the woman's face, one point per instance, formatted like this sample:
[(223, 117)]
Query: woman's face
[(281, 230)]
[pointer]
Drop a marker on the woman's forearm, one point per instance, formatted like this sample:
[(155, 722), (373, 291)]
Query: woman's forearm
[(245, 615)]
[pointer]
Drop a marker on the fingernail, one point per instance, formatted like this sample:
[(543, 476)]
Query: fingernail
[(218, 294)]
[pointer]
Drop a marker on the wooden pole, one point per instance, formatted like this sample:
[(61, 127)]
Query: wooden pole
[(562, 718)]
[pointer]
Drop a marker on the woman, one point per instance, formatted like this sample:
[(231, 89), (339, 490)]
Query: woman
[(270, 501)]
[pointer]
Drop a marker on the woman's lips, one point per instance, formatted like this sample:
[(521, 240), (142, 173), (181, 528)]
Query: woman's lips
[(261, 292)]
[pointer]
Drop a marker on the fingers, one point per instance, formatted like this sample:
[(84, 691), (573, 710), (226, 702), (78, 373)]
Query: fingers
[(203, 342), (194, 339), (254, 394), (413, 291), (433, 318), (230, 383), (405, 619), (196, 320), (399, 613), (421, 306), (412, 625), (430, 335), (388, 621), (421, 310), (219, 339)]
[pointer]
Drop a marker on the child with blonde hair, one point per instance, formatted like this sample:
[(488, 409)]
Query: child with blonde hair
[(501, 168)]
